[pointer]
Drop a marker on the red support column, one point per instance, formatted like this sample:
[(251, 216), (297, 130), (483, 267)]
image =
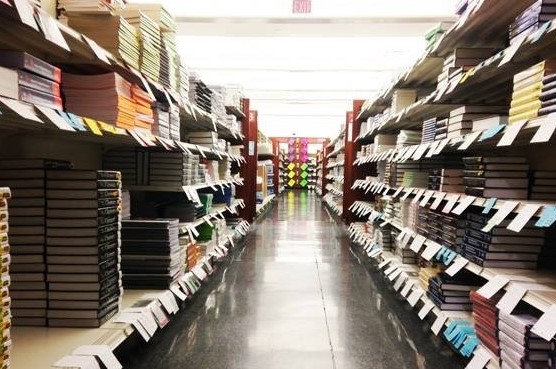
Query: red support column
[(276, 163), (351, 172), (249, 169)]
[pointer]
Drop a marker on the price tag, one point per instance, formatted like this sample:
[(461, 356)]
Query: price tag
[(492, 287), (399, 283), (469, 139), (500, 215), (425, 310), (417, 243), (464, 204), (511, 132), (395, 274), (491, 132), (547, 218), (77, 362), (439, 323), (480, 359), (384, 263), (511, 298), (545, 327), (426, 198), (458, 264), (432, 149), (431, 250), (408, 192), (489, 205), (398, 191), (415, 296), (407, 288), (179, 294), (439, 196), (103, 352), (451, 202), (526, 212), (441, 146), (418, 195), (546, 130), (510, 52)]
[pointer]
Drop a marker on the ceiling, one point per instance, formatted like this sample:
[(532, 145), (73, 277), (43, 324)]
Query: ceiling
[(302, 72)]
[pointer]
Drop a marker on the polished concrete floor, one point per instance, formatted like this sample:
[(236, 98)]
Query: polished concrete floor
[(297, 297)]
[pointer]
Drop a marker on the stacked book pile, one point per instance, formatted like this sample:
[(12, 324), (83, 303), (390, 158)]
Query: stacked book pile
[(151, 253), (172, 169), (433, 35), (144, 116), (499, 177), (30, 79), (105, 97), (485, 316), (452, 293), (218, 109), (402, 99), (200, 94), (461, 61), (149, 40), (5, 317), (501, 247), (429, 129), (383, 238), (413, 178), (533, 92), (406, 255), (233, 97), (461, 120), (423, 226), (533, 18), (408, 138), (126, 204), (441, 129), (26, 179), (83, 209), (161, 123), (446, 229), (114, 34), (519, 347), (383, 143), (185, 211), (544, 186), (89, 7), (426, 272), (193, 252), (128, 162), (175, 123), (206, 139), (183, 81), (447, 180), (169, 56)]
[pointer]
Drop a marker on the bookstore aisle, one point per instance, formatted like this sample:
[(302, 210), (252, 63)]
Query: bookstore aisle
[(295, 296)]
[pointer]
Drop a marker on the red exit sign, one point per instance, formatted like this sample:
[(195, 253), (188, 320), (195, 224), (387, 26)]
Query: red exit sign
[(301, 7)]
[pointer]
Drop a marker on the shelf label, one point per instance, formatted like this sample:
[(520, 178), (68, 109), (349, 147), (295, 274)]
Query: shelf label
[(493, 286), (546, 130), (415, 296), (407, 288), (526, 212), (426, 309), (510, 52), (500, 215), (431, 250), (511, 298), (417, 243), (458, 264), (103, 352), (511, 132), (439, 323), (546, 325), (452, 199), (464, 204), (480, 359), (469, 140)]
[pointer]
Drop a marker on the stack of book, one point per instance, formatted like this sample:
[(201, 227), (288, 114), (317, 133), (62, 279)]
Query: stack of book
[(423, 226), (406, 255), (105, 97), (533, 90), (27, 219), (461, 61), (429, 129), (540, 12), (206, 139), (144, 117), (151, 253), (447, 180), (543, 187), (413, 178), (149, 40), (161, 123), (114, 34), (172, 169), (183, 81), (30, 79), (175, 123), (126, 204), (499, 177), (441, 129), (200, 94), (5, 317), (426, 272), (408, 138), (461, 120), (218, 109), (446, 229), (89, 7), (485, 123), (485, 316), (519, 347), (127, 161), (501, 247), (83, 247), (452, 293), (403, 99), (383, 143)]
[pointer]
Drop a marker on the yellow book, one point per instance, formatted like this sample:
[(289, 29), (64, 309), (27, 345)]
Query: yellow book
[(535, 90), (524, 108), (529, 72), (525, 100), (536, 79), (524, 116)]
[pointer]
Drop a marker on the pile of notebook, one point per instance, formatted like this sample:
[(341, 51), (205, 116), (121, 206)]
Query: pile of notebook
[(172, 169), (113, 33), (446, 180), (429, 129), (423, 225), (533, 92), (485, 123), (441, 129), (149, 40), (89, 7), (200, 94), (446, 229), (461, 61), (501, 247), (183, 81), (543, 187), (402, 99), (383, 143), (105, 97), (452, 293), (519, 347), (433, 35), (27, 219), (203, 138), (83, 247), (412, 177), (151, 253), (408, 138), (5, 317), (218, 108), (540, 12), (161, 122), (461, 120), (193, 252), (485, 316), (144, 116), (175, 123), (30, 79), (127, 161), (499, 177)]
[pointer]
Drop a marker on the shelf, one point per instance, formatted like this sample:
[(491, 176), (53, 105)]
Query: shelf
[(48, 345), (213, 185), (336, 152), (334, 205), (334, 165), (335, 191), (541, 294), (337, 138), (216, 211), (267, 200), (234, 110)]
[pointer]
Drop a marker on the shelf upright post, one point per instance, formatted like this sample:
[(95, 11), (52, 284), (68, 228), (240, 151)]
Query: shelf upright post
[(276, 164), (249, 169), (351, 172)]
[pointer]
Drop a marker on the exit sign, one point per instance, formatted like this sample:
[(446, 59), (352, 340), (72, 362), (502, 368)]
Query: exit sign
[(301, 7)]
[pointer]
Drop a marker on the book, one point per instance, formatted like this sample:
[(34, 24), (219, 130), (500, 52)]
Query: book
[(25, 61)]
